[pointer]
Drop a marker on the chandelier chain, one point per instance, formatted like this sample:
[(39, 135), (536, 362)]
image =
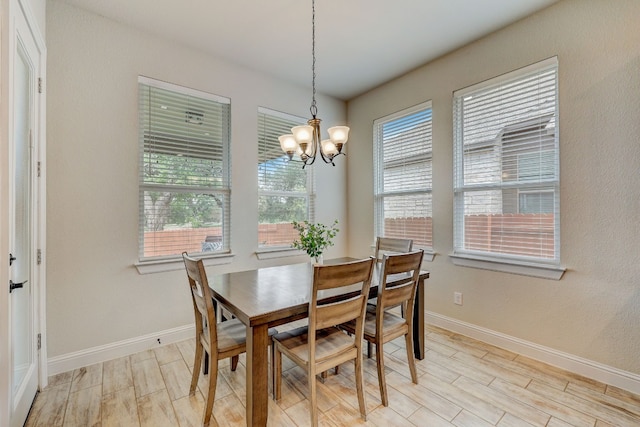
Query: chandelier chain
[(306, 139), (314, 108)]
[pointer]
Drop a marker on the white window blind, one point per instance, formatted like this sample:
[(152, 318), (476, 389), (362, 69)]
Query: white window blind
[(403, 175), (506, 163), (184, 170), (285, 190)]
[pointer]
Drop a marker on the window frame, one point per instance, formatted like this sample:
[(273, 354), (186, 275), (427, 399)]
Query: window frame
[(153, 264), (512, 263), (275, 251), (379, 176)]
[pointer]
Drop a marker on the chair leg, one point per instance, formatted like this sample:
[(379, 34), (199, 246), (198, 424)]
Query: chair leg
[(360, 385), (234, 362), (276, 368), (411, 357), (211, 395), (324, 375), (197, 362), (313, 400), (382, 383), (369, 349)]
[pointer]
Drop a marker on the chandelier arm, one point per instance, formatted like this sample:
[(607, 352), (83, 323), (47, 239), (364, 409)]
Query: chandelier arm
[(326, 159)]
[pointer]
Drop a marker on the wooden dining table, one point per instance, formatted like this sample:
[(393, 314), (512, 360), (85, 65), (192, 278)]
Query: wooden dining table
[(273, 296)]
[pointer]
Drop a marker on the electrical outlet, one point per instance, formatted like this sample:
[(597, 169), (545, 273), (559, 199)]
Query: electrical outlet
[(457, 298)]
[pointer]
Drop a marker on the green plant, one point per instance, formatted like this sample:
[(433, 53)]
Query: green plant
[(314, 238)]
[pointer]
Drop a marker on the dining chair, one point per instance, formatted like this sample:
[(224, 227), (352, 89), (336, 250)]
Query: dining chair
[(392, 245), (389, 245), (217, 340), (397, 286), (339, 294)]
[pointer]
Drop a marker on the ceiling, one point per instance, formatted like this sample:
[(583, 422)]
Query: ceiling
[(360, 44)]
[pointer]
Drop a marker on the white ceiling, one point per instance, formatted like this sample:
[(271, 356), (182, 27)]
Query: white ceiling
[(360, 44)]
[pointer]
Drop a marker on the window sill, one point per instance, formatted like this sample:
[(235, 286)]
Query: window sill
[(525, 269), (428, 256), (281, 252), (172, 264)]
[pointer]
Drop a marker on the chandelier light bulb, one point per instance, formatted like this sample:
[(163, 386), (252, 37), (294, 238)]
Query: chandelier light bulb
[(329, 148)]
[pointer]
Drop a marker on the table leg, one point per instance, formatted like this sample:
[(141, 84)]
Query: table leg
[(257, 375), (418, 322)]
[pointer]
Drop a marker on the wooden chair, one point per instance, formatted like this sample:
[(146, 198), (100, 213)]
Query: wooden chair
[(392, 245), (397, 285), (389, 245), (218, 340), (321, 345)]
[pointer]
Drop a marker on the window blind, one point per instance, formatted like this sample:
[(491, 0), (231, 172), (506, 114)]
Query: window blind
[(184, 170), (285, 190), (506, 166), (403, 175)]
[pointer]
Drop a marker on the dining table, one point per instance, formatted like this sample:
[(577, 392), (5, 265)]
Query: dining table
[(272, 296)]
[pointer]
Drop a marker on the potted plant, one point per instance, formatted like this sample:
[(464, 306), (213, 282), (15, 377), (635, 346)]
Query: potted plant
[(314, 238)]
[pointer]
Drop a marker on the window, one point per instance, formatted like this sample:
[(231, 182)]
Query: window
[(285, 190), (402, 171), (184, 171), (506, 162)]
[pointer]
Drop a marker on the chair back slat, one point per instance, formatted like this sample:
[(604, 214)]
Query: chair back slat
[(204, 310), (340, 275), (392, 245), (339, 312), (393, 296), (399, 280)]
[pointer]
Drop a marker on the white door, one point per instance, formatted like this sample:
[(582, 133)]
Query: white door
[(23, 280)]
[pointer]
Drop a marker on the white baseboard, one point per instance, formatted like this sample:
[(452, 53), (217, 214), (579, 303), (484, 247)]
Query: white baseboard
[(587, 368), (70, 361)]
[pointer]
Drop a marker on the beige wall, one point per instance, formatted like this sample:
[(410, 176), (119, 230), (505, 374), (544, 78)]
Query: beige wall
[(95, 296), (594, 311)]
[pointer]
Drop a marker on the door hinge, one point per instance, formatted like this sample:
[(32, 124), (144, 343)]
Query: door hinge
[(39, 341), (39, 84), (39, 256), (39, 169)]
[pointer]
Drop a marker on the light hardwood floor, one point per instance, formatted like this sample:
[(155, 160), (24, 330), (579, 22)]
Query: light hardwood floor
[(462, 382)]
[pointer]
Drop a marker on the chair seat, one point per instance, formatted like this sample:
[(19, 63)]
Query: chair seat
[(373, 303), (329, 342), (392, 325), (232, 335)]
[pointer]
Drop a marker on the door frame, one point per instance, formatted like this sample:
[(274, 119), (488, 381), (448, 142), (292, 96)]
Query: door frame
[(10, 11)]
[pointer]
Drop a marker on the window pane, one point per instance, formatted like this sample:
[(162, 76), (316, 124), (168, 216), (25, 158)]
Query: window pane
[(529, 235), (536, 202), (276, 213), (409, 217), (176, 222), (282, 174), (284, 188), (403, 174), (182, 170)]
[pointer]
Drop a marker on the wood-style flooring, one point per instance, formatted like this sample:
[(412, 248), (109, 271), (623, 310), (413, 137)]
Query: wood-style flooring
[(462, 382)]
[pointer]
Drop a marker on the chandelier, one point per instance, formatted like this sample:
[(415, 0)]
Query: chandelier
[(305, 140)]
